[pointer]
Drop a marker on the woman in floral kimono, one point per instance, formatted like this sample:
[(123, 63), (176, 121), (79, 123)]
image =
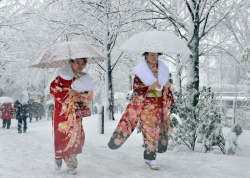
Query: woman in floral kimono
[(152, 97), (72, 91)]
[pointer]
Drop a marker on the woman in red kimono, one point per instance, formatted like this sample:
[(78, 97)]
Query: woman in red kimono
[(152, 97), (72, 89), (7, 114)]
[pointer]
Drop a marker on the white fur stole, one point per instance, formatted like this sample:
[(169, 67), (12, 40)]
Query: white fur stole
[(145, 74), (82, 84)]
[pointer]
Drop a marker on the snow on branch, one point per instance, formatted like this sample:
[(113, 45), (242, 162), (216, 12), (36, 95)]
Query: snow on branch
[(170, 16), (205, 19)]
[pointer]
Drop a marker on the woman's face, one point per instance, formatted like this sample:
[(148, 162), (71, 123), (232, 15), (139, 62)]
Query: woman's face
[(78, 65), (152, 58)]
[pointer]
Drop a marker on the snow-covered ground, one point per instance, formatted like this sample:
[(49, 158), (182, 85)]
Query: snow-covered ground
[(29, 155)]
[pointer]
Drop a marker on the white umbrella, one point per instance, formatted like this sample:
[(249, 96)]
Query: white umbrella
[(6, 99), (155, 41), (23, 98), (59, 54)]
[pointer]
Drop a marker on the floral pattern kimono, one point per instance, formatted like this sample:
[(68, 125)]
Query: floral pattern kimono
[(151, 108), (67, 130)]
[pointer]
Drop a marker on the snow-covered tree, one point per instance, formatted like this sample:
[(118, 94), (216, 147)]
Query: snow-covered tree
[(192, 21)]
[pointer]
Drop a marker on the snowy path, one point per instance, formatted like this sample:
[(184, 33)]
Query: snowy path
[(29, 155)]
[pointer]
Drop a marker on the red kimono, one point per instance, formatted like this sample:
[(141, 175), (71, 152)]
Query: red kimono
[(68, 131), (151, 109)]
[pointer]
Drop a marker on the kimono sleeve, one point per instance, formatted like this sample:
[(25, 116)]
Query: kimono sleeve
[(86, 97), (169, 95), (56, 90), (139, 89)]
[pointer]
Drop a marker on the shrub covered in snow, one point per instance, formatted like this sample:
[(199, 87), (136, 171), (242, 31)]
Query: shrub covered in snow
[(129, 95), (201, 123)]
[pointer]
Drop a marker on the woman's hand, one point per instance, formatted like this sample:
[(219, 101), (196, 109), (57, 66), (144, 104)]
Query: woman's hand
[(74, 95), (154, 85), (157, 85), (72, 92), (76, 98)]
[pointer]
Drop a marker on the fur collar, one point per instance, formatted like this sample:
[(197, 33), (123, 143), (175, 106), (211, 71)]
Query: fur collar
[(143, 71), (82, 84), (66, 72)]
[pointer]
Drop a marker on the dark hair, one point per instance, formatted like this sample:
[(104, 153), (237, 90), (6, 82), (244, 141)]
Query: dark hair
[(84, 59), (148, 52)]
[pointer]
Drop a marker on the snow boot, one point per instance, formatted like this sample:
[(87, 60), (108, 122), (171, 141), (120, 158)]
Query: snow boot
[(58, 164)]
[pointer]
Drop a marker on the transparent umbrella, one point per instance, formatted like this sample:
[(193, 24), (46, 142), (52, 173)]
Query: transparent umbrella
[(23, 98), (59, 54), (155, 41)]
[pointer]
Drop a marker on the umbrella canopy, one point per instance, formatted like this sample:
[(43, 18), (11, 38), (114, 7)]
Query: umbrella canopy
[(59, 54), (155, 41), (23, 98), (6, 99)]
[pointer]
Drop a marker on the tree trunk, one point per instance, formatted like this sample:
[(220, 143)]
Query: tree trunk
[(177, 82), (110, 90), (192, 143), (109, 95), (130, 82), (193, 69)]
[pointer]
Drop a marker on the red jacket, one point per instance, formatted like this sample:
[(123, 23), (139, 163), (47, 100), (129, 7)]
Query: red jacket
[(6, 108)]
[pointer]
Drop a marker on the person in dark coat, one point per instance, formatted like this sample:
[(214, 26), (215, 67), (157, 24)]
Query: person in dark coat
[(21, 107), (22, 112), (7, 114), (35, 109)]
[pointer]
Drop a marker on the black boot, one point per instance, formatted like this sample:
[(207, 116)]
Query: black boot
[(19, 131), (4, 123), (8, 124)]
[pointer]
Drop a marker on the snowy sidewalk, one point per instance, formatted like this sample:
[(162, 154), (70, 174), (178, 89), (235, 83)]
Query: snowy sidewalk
[(29, 155)]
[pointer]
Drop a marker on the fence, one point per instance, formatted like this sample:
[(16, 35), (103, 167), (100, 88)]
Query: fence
[(234, 112)]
